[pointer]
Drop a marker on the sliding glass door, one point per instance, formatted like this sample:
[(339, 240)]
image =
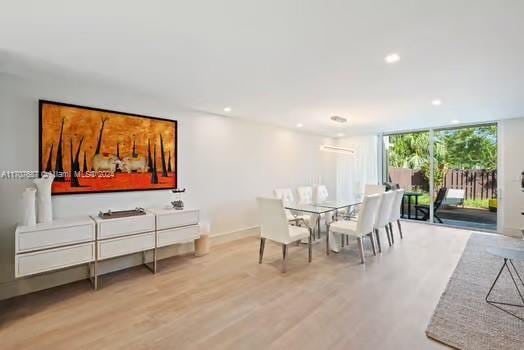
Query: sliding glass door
[(465, 177), (450, 174), (407, 165)]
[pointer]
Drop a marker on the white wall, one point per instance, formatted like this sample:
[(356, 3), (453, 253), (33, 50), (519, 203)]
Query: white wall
[(511, 164), (224, 162)]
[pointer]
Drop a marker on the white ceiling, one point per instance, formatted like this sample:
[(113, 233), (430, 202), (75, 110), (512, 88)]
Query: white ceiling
[(288, 62)]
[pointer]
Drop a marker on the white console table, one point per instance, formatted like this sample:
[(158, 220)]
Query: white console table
[(176, 226), (90, 240), (60, 244), (123, 236)]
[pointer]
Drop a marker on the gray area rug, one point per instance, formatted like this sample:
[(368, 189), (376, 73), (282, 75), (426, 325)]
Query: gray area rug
[(462, 318)]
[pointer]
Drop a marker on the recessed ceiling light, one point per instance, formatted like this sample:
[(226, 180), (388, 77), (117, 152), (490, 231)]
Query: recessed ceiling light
[(454, 121), (436, 102), (227, 109), (392, 58), (299, 125), (340, 134)]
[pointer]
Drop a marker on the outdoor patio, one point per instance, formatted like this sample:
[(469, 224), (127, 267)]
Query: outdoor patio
[(482, 219)]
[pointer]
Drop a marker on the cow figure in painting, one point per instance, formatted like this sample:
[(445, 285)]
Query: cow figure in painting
[(106, 162), (130, 164)]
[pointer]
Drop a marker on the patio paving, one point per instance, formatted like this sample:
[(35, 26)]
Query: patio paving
[(464, 217)]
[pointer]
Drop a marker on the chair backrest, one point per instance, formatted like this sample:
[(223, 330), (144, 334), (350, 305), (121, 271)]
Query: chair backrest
[(455, 193), (454, 196), (305, 195), (273, 222), (384, 209), (391, 186), (370, 189), (395, 207), (286, 194), (321, 194), (368, 213), (440, 198)]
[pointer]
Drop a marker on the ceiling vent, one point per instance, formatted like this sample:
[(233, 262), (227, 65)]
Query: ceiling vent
[(338, 119)]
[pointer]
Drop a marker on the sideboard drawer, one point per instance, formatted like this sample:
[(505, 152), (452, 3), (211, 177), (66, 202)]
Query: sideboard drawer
[(110, 248), (125, 226), (53, 259), (177, 219), (54, 237), (178, 235)]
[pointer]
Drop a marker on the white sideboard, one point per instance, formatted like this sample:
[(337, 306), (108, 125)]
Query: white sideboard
[(176, 226), (52, 246), (69, 242)]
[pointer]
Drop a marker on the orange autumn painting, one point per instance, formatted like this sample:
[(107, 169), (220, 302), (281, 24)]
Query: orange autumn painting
[(95, 150)]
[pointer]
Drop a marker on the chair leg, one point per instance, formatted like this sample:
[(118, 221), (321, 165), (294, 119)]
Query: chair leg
[(284, 258), (347, 240), (310, 249), (400, 229), (377, 234), (438, 219), (343, 240), (361, 249), (372, 240), (391, 233), (327, 241), (387, 234), (261, 253), (318, 227)]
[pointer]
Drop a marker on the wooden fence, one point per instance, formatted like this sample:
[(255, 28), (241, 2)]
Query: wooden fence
[(477, 184)]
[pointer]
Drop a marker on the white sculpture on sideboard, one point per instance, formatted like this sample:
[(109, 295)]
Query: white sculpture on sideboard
[(29, 205), (44, 205)]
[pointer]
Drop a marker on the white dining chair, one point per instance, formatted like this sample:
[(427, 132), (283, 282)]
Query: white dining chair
[(286, 194), (395, 213), (320, 193), (305, 195), (358, 229), (275, 227), (370, 189), (383, 216)]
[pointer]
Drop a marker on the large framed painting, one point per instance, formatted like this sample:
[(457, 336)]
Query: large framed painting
[(92, 150)]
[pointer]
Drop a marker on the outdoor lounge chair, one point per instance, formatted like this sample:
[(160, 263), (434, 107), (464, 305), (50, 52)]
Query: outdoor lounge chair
[(455, 197), (424, 208)]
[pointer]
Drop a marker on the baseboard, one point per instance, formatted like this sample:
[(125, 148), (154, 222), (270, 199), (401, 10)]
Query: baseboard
[(513, 232), (52, 279)]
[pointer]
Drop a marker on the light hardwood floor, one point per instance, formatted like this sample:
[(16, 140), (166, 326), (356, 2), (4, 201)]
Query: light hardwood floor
[(226, 300)]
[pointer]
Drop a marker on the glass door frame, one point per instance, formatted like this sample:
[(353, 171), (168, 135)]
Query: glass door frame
[(383, 160)]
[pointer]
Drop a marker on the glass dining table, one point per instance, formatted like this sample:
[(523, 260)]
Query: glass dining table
[(317, 209)]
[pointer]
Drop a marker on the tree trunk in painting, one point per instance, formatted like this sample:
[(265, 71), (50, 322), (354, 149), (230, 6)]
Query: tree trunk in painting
[(134, 154), (117, 170), (169, 163), (154, 175), (76, 164), (85, 162), (59, 163), (99, 141), (74, 181), (149, 159), (163, 156), (49, 165)]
